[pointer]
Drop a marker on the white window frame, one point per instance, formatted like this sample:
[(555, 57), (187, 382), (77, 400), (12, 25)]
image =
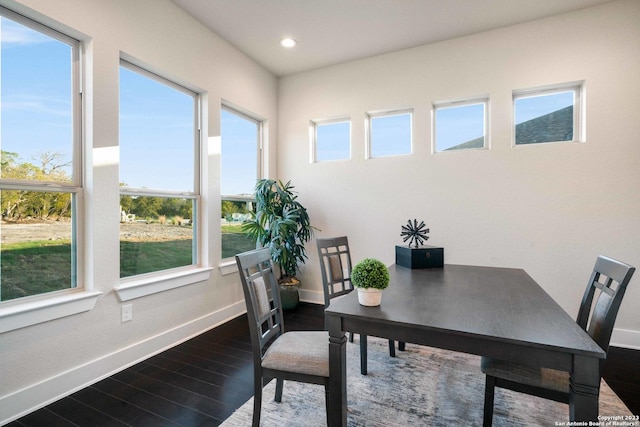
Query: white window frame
[(313, 137), (372, 115), (32, 310), (579, 116), (141, 285), (482, 100)]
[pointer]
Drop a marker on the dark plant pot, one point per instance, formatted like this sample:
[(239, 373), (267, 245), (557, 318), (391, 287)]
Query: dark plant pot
[(289, 296)]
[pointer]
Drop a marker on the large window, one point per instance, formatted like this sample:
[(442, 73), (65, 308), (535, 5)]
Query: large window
[(389, 133), (548, 114), (159, 173), (330, 140), (40, 179), (460, 125), (241, 142)]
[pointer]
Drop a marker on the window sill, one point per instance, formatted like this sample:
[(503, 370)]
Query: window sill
[(228, 267), (149, 285), (21, 315)]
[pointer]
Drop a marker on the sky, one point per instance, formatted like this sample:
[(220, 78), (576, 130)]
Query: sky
[(332, 141), (157, 134), (390, 135), (456, 125), (35, 94), (239, 154)]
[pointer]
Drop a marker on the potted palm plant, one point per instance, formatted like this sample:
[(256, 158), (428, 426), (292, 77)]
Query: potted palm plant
[(370, 276), (282, 224)]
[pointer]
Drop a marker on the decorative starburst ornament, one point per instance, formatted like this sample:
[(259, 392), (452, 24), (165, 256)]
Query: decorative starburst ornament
[(415, 233)]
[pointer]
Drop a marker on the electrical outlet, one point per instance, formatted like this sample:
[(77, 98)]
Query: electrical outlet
[(127, 312)]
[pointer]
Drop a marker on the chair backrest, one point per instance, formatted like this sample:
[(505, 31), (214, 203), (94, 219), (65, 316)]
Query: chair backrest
[(335, 265), (602, 299), (261, 295)]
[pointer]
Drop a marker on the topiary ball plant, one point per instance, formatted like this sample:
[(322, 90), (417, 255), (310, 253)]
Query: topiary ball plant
[(370, 273)]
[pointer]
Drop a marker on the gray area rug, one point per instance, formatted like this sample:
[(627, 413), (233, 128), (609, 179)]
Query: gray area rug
[(422, 386)]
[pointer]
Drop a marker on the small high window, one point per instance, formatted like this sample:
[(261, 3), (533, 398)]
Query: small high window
[(389, 133), (330, 140), (460, 125), (548, 114)]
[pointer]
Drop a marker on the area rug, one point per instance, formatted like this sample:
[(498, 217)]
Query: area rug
[(422, 386)]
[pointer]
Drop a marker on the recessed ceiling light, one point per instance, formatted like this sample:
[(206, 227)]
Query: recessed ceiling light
[(288, 42)]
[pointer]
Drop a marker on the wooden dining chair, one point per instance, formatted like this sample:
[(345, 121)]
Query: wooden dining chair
[(297, 356), (335, 266), (597, 316)]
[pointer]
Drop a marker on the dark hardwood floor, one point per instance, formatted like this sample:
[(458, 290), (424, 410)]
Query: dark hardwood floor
[(202, 381)]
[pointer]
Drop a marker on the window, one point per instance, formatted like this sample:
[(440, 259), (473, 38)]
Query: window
[(159, 173), (549, 114), (330, 140), (241, 142), (40, 178), (460, 125), (389, 133)]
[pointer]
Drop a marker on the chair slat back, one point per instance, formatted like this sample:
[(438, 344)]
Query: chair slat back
[(335, 266), (264, 309), (602, 299)]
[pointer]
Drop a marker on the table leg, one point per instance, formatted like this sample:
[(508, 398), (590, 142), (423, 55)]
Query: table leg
[(337, 398), (585, 389)]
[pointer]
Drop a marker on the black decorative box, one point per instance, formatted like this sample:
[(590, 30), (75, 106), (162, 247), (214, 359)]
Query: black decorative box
[(420, 257)]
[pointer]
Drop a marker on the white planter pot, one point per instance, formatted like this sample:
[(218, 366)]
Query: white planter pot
[(370, 297)]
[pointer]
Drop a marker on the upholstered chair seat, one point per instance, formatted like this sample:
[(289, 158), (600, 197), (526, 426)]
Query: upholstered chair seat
[(304, 352)]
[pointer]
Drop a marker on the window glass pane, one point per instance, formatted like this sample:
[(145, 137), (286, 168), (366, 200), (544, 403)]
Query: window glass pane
[(240, 142), (36, 98), (157, 156), (156, 233), (239, 154), (37, 245), (37, 81), (234, 240), (332, 141), (390, 135), (157, 129), (460, 127), (544, 118)]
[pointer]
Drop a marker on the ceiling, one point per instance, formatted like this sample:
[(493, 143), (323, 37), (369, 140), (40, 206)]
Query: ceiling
[(334, 31)]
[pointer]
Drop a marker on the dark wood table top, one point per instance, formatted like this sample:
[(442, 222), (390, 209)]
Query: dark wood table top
[(486, 304)]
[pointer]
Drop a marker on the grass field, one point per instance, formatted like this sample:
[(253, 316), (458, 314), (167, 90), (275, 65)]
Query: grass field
[(234, 241), (32, 268), (36, 267)]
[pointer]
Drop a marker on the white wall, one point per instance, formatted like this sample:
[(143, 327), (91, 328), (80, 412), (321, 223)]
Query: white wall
[(549, 208), (42, 362)]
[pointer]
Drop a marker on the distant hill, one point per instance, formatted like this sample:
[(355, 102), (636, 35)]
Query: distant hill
[(555, 126)]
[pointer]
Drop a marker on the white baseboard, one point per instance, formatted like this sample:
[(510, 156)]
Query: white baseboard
[(314, 297), (36, 396), (626, 338)]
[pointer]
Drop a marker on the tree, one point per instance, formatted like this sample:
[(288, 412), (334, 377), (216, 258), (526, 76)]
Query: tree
[(18, 204)]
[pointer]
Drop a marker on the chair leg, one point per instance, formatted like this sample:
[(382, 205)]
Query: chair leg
[(326, 400), (279, 384), (257, 399), (350, 336), (401, 345), (363, 354), (392, 348), (489, 391)]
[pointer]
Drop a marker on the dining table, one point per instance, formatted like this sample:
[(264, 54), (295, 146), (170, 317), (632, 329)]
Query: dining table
[(495, 312)]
